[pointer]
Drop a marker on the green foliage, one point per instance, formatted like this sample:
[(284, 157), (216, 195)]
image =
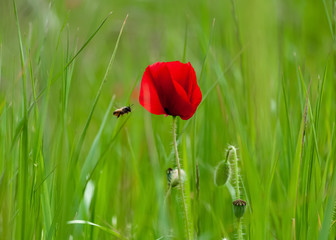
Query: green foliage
[(68, 167)]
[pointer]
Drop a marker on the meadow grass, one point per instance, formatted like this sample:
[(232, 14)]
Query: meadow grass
[(69, 169)]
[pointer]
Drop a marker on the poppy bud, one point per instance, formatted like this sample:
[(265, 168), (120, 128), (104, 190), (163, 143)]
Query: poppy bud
[(239, 208), (222, 173), (173, 178)]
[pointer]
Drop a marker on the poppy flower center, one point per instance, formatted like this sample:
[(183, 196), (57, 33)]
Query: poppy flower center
[(167, 111)]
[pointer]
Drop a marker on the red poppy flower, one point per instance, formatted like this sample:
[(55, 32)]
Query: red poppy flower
[(170, 88)]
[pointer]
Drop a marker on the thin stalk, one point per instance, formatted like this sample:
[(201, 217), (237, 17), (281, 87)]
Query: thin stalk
[(23, 163), (167, 195), (239, 228), (232, 156), (187, 222)]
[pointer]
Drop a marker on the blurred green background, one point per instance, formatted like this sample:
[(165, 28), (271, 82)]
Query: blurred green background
[(64, 156)]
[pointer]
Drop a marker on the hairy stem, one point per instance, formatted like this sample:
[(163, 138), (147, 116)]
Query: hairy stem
[(239, 229), (181, 182), (232, 155)]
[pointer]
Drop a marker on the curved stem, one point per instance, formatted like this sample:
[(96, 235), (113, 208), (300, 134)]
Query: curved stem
[(180, 180), (232, 154)]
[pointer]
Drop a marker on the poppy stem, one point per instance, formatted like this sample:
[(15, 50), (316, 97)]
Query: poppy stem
[(239, 229), (233, 159), (187, 223)]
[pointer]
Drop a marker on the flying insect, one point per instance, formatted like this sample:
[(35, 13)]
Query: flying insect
[(121, 111)]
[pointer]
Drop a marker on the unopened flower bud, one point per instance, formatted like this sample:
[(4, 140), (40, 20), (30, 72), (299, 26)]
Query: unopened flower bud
[(222, 173), (173, 178)]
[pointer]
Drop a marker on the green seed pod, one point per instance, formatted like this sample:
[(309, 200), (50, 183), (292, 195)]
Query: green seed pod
[(173, 178), (239, 208), (222, 173)]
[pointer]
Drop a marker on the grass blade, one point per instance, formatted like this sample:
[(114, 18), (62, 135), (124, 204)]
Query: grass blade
[(90, 161), (82, 137), (105, 229)]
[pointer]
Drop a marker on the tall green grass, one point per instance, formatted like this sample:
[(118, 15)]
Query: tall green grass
[(70, 169)]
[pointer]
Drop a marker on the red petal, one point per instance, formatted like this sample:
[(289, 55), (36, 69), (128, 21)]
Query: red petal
[(148, 97), (192, 82), (172, 96), (180, 73), (184, 74), (196, 96)]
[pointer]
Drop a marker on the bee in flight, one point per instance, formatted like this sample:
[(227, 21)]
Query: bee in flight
[(121, 111)]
